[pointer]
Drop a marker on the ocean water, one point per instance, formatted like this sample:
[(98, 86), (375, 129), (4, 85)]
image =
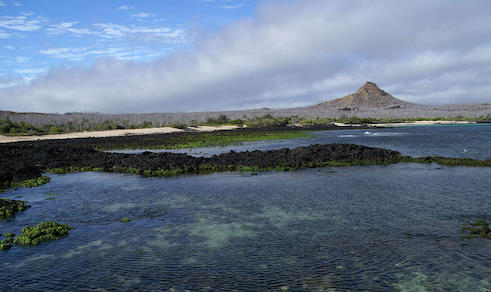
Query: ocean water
[(466, 141), (372, 228)]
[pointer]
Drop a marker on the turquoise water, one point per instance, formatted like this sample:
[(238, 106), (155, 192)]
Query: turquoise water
[(373, 228), (466, 141), (394, 227)]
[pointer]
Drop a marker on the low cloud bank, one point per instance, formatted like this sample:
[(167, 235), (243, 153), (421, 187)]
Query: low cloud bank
[(292, 53)]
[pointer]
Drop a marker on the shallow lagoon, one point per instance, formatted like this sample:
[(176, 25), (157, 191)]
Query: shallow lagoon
[(393, 227), (463, 141)]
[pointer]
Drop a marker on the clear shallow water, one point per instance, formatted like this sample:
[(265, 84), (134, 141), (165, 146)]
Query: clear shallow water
[(465, 141), (394, 227)]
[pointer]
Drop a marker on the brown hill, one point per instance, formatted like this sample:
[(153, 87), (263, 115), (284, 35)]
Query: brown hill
[(369, 95)]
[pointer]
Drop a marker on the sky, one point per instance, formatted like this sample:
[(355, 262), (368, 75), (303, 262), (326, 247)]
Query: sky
[(118, 56)]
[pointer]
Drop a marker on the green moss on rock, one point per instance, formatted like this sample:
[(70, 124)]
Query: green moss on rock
[(43, 232), (32, 183), (9, 207), (125, 220), (6, 244)]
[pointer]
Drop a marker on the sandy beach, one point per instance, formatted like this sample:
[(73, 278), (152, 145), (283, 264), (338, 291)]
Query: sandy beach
[(110, 133)]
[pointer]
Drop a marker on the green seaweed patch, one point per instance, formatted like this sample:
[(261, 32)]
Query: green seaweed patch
[(72, 169), (51, 194), (6, 244), (210, 168), (125, 220), (32, 183), (50, 198), (8, 207), (43, 232), (477, 229)]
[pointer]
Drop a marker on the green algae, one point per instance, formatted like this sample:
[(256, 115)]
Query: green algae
[(43, 232), (31, 183), (6, 244), (209, 168), (70, 169), (200, 140), (477, 229), (125, 220), (51, 196), (8, 207)]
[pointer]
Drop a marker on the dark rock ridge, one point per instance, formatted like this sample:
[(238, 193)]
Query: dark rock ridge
[(27, 160)]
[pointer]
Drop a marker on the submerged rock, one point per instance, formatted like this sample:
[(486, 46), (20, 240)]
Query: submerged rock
[(9, 207)]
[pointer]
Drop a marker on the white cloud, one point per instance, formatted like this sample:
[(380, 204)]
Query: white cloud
[(291, 53), (16, 4), (31, 71), (77, 54), (4, 35), (163, 34), (21, 59), (1, 3), (25, 22), (9, 47), (125, 7), (65, 27), (117, 31), (141, 15), (231, 6)]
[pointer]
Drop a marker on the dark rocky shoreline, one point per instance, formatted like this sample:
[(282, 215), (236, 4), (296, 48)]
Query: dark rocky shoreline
[(26, 160), (23, 161)]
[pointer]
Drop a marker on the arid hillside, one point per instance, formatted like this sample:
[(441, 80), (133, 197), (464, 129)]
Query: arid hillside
[(369, 101)]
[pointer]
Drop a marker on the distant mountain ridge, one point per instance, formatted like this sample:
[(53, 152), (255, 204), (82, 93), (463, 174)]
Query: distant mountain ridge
[(370, 96)]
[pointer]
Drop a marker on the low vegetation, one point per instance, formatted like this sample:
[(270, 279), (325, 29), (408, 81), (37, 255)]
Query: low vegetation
[(43, 232), (8, 127), (477, 229), (8, 208)]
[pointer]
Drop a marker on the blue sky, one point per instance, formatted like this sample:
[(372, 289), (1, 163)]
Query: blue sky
[(38, 35), (198, 55)]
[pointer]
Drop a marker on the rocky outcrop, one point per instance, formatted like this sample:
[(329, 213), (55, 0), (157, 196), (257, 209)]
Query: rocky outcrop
[(61, 155)]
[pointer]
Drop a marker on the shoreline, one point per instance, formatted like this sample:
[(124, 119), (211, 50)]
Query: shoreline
[(111, 133), (169, 130), (422, 123)]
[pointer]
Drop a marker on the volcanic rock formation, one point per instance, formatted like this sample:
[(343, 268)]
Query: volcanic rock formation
[(369, 95)]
